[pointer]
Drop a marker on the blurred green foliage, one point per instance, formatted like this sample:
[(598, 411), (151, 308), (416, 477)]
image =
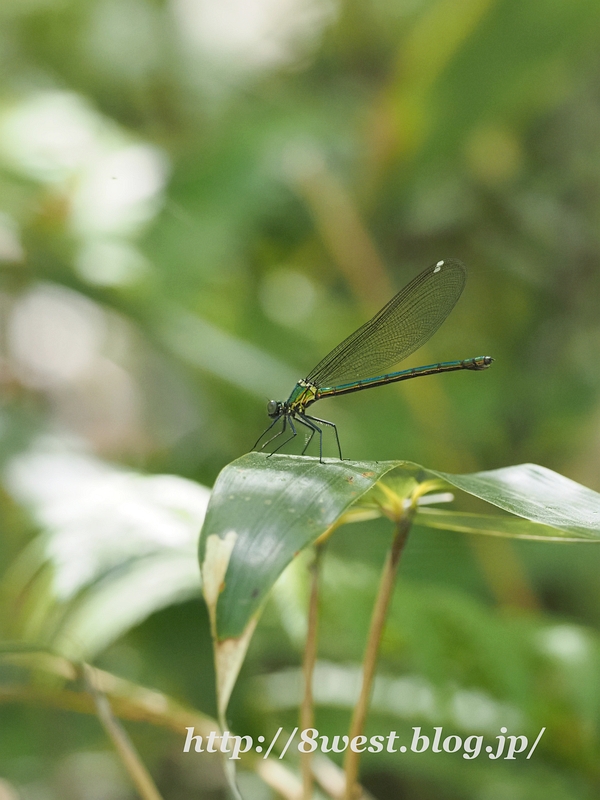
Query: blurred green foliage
[(197, 200)]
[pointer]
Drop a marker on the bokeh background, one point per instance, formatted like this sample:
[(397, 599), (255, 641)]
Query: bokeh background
[(198, 199)]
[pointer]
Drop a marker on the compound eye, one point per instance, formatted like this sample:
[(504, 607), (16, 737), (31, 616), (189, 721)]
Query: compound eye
[(272, 408)]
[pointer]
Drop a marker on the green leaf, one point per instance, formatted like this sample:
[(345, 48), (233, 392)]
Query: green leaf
[(264, 511), (537, 494), (493, 525), (269, 509), (272, 508)]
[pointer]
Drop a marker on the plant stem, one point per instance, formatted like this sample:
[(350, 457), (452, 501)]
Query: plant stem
[(307, 714), (138, 773), (384, 595), (46, 680)]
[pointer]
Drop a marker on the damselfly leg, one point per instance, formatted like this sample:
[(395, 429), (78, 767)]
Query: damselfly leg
[(331, 425), (275, 421), (289, 439)]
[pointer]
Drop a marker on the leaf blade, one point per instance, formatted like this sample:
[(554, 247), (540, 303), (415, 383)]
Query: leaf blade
[(282, 505), (495, 525), (536, 493)]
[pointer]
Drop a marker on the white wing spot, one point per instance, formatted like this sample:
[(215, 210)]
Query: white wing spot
[(438, 266)]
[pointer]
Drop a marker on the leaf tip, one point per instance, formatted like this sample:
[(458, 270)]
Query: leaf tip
[(229, 656)]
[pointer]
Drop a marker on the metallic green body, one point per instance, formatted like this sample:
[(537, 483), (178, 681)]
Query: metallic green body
[(304, 393), (405, 323)]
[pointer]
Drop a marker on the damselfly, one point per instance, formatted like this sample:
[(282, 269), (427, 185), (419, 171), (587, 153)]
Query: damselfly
[(401, 327)]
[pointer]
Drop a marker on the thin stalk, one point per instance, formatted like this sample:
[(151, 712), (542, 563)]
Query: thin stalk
[(136, 769), (307, 714), (46, 673), (48, 680), (382, 602)]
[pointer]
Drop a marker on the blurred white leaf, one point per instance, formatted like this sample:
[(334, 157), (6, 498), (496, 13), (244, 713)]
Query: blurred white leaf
[(114, 185), (252, 34), (120, 544)]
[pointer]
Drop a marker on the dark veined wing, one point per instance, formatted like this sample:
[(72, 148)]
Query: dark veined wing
[(401, 327)]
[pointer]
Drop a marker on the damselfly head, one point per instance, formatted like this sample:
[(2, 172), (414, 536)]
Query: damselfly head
[(273, 408)]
